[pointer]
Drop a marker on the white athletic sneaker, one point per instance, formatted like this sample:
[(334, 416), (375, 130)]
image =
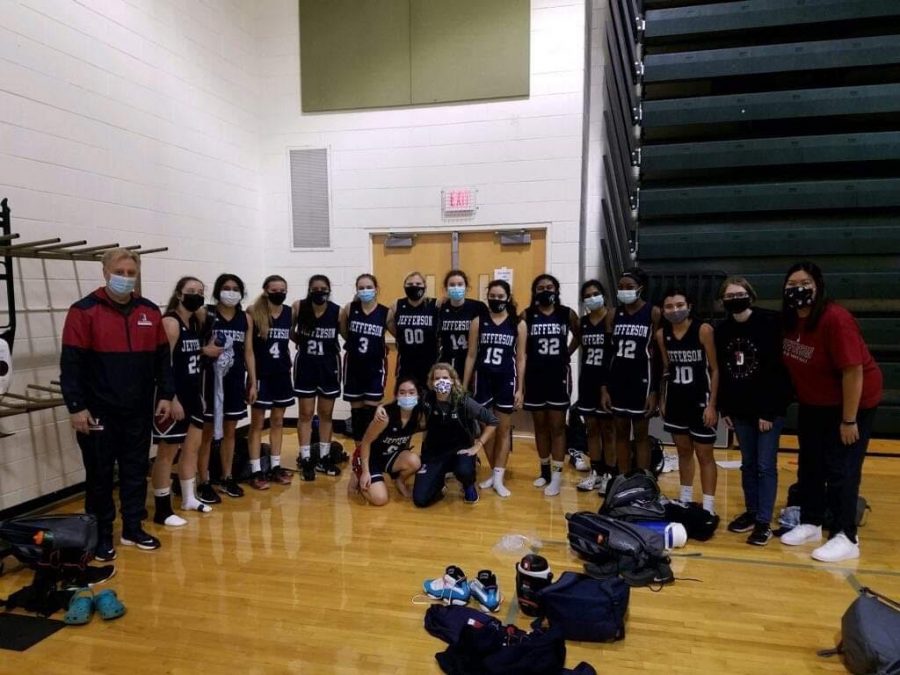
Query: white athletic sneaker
[(539, 482), (802, 534), (582, 462), (604, 481), (670, 463), (836, 549), (591, 482)]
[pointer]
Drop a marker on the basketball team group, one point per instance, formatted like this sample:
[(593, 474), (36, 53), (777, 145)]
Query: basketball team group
[(184, 376)]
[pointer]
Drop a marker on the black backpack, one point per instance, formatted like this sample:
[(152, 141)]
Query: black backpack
[(870, 635), (633, 496), (617, 548), (699, 523), (585, 608)]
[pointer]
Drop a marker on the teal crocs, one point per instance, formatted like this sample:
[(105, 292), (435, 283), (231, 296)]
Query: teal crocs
[(81, 608), (108, 605)]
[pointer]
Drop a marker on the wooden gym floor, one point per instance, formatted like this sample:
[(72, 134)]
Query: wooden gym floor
[(308, 580)]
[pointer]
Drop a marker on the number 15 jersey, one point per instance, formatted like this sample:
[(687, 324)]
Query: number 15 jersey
[(630, 364)]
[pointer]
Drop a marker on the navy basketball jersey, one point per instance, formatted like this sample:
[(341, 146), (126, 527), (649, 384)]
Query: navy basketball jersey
[(497, 344), (319, 341), (416, 330), (548, 338), (186, 360), (631, 343), (273, 354), (396, 435), (365, 333), (234, 328), (688, 379), (455, 323), (594, 348)]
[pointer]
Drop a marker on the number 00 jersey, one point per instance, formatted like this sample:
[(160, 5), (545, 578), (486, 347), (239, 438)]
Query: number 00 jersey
[(417, 347), (273, 354), (630, 361)]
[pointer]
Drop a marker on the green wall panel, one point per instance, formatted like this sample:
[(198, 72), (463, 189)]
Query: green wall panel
[(465, 50), (354, 54)]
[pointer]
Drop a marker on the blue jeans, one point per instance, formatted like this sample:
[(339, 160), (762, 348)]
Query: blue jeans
[(759, 469)]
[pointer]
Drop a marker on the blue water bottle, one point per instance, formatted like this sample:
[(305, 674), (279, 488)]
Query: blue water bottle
[(674, 535)]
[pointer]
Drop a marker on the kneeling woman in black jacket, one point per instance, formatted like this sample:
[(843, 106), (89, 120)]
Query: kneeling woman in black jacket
[(451, 440)]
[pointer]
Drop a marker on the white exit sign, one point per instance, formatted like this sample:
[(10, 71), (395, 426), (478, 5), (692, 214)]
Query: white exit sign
[(459, 201)]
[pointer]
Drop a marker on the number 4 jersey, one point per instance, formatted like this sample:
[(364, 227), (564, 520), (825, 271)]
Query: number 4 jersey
[(630, 364), (273, 354)]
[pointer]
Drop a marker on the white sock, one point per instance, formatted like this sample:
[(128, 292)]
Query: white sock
[(709, 502), (324, 450), (687, 493), (161, 492), (189, 501), (553, 488), (497, 480), (255, 465), (274, 460), (487, 484), (304, 452)]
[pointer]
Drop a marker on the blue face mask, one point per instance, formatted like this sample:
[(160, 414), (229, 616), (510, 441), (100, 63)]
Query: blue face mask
[(456, 292), (121, 285), (366, 294), (593, 302), (407, 402)]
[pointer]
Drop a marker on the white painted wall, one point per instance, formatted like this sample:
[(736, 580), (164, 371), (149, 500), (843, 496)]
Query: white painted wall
[(120, 121)]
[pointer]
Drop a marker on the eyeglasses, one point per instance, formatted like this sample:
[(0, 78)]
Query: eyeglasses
[(802, 283), (735, 296)]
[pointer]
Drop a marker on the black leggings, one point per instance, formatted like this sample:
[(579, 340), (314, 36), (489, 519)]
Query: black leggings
[(429, 482), (829, 472)]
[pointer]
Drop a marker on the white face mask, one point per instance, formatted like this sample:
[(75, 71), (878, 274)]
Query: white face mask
[(230, 298), (593, 302), (443, 386), (627, 295)]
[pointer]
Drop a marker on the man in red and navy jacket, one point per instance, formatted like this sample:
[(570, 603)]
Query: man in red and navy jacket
[(115, 359)]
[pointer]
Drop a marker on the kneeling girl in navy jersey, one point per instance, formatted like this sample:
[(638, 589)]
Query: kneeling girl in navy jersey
[(363, 327), (691, 379), (496, 364), (385, 447), (182, 327), (317, 371), (272, 323), (552, 338)]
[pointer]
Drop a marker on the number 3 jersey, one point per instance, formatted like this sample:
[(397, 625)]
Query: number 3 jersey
[(629, 375), (273, 354), (688, 381), (365, 335)]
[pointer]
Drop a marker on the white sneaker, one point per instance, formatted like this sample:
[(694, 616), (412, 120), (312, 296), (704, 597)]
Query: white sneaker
[(582, 463), (836, 549), (590, 482), (802, 534), (539, 482), (603, 482), (670, 463)]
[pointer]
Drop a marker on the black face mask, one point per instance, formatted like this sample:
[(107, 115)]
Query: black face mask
[(545, 298), (736, 305), (319, 297), (277, 298), (497, 306), (192, 302), (414, 292), (799, 296)]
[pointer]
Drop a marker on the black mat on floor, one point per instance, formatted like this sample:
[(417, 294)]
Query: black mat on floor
[(19, 632)]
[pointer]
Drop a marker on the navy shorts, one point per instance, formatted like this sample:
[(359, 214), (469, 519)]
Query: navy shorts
[(175, 432), (317, 377), (416, 368), (235, 402), (681, 419), (274, 391), (497, 389), (364, 380), (588, 402), (383, 464), (547, 391)]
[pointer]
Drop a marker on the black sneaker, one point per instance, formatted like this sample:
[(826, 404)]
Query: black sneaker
[(139, 538), (761, 534), (230, 487), (91, 576), (105, 551), (207, 494), (327, 467), (307, 469), (743, 523)]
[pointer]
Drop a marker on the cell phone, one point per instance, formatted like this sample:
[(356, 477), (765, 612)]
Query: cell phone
[(95, 426)]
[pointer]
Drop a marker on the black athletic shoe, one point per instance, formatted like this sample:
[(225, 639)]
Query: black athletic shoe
[(327, 467), (307, 469), (91, 576), (743, 523), (105, 551), (230, 487), (761, 534), (139, 538), (207, 494)]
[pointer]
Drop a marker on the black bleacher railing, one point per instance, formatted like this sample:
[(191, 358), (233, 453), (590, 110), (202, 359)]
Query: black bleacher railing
[(743, 136)]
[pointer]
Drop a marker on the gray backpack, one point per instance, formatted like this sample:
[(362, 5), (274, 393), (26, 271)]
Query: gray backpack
[(870, 635)]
